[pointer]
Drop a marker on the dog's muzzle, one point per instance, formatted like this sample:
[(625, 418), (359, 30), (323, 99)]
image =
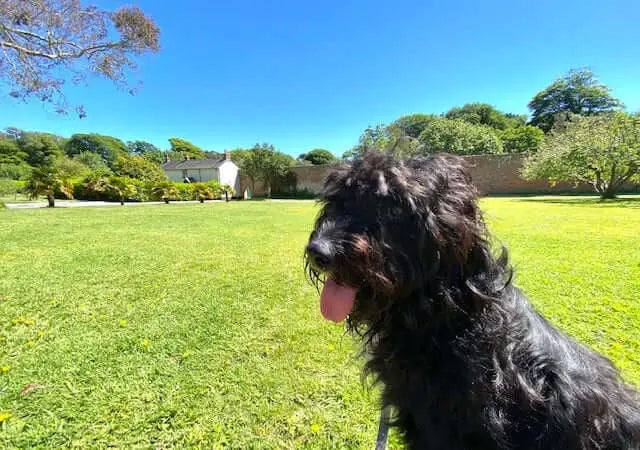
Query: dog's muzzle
[(321, 254)]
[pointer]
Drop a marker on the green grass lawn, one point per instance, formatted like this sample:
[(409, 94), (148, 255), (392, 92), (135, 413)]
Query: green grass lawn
[(175, 325)]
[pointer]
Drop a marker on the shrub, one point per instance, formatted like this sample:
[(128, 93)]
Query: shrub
[(165, 191), (138, 167), (185, 191), (93, 186), (10, 187), (202, 192), (15, 171), (121, 188)]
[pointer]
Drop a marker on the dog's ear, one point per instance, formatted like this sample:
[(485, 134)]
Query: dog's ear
[(448, 204)]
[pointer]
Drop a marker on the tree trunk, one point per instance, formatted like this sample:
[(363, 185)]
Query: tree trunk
[(201, 200), (226, 195), (166, 200), (121, 202), (609, 193), (51, 200)]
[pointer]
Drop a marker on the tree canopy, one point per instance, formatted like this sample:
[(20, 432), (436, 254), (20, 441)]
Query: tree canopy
[(578, 93), (459, 137), (263, 162), (47, 42), (187, 148), (108, 147), (602, 150), (318, 156)]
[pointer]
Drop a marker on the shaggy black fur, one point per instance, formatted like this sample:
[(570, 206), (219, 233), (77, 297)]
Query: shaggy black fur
[(464, 359)]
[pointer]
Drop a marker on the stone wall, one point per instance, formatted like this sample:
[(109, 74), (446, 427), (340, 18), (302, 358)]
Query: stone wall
[(492, 174)]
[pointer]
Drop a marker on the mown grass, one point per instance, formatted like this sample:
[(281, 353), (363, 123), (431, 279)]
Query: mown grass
[(166, 326)]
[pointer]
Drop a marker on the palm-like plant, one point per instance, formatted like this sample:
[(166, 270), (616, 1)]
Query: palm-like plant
[(165, 191), (202, 192), (121, 188), (45, 181)]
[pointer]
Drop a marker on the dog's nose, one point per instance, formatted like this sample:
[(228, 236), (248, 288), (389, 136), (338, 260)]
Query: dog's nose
[(320, 253)]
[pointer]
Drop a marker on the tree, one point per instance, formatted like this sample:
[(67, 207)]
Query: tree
[(376, 138), (578, 92), (459, 137), (45, 181), (480, 114), (412, 125), (238, 156), (202, 192), (186, 147), (139, 168), (523, 139), (10, 151), (92, 160), (318, 156), (121, 188), (263, 162), (602, 150), (72, 167), (109, 148), (141, 148), (165, 191), (45, 42), (95, 185), (41, 148)]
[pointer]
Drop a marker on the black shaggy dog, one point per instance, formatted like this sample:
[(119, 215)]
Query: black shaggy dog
[(464, 359)]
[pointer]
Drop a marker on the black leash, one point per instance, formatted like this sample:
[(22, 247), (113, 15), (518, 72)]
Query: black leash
[(383, 430)]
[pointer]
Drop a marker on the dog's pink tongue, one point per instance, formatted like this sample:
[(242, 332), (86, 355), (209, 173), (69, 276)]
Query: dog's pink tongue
[(336, 300)]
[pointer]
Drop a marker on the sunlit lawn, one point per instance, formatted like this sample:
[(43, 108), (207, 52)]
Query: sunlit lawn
[(192, 325)]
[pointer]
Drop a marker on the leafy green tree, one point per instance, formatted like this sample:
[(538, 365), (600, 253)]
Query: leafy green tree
[(121, 188), (15, 171), (46, 181), (72, 167), (109, 148), (479, 114), (318, 156), (459, 137), (165, 191), (412, 125), (186, 147), (140, 148), (263, 162), (92, 160), (374, 138), (10, 151), (42, 149), (238, 156), (523, 139), (139, 168), (578, 92), (603, 150), (45, 42)]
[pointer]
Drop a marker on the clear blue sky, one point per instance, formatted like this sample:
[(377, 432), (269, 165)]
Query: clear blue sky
[(304, 74)]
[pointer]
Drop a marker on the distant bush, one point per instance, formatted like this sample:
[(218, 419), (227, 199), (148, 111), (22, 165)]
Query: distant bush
[(165, 191), (15, 171), (303, 194), (185, 191), (93, 186), (202, 192), (10, 187)]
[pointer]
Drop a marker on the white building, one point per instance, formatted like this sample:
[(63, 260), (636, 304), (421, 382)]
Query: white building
[(224, 171)]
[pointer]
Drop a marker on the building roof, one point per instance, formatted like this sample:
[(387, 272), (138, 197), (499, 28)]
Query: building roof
[(193, 164)]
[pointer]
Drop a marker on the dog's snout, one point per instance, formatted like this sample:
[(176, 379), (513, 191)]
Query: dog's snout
[(320, 253)]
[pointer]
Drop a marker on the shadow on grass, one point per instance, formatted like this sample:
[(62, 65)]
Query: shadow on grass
[(620, 202)]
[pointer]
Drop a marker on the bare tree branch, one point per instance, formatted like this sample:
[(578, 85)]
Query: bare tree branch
[(43, 39)]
